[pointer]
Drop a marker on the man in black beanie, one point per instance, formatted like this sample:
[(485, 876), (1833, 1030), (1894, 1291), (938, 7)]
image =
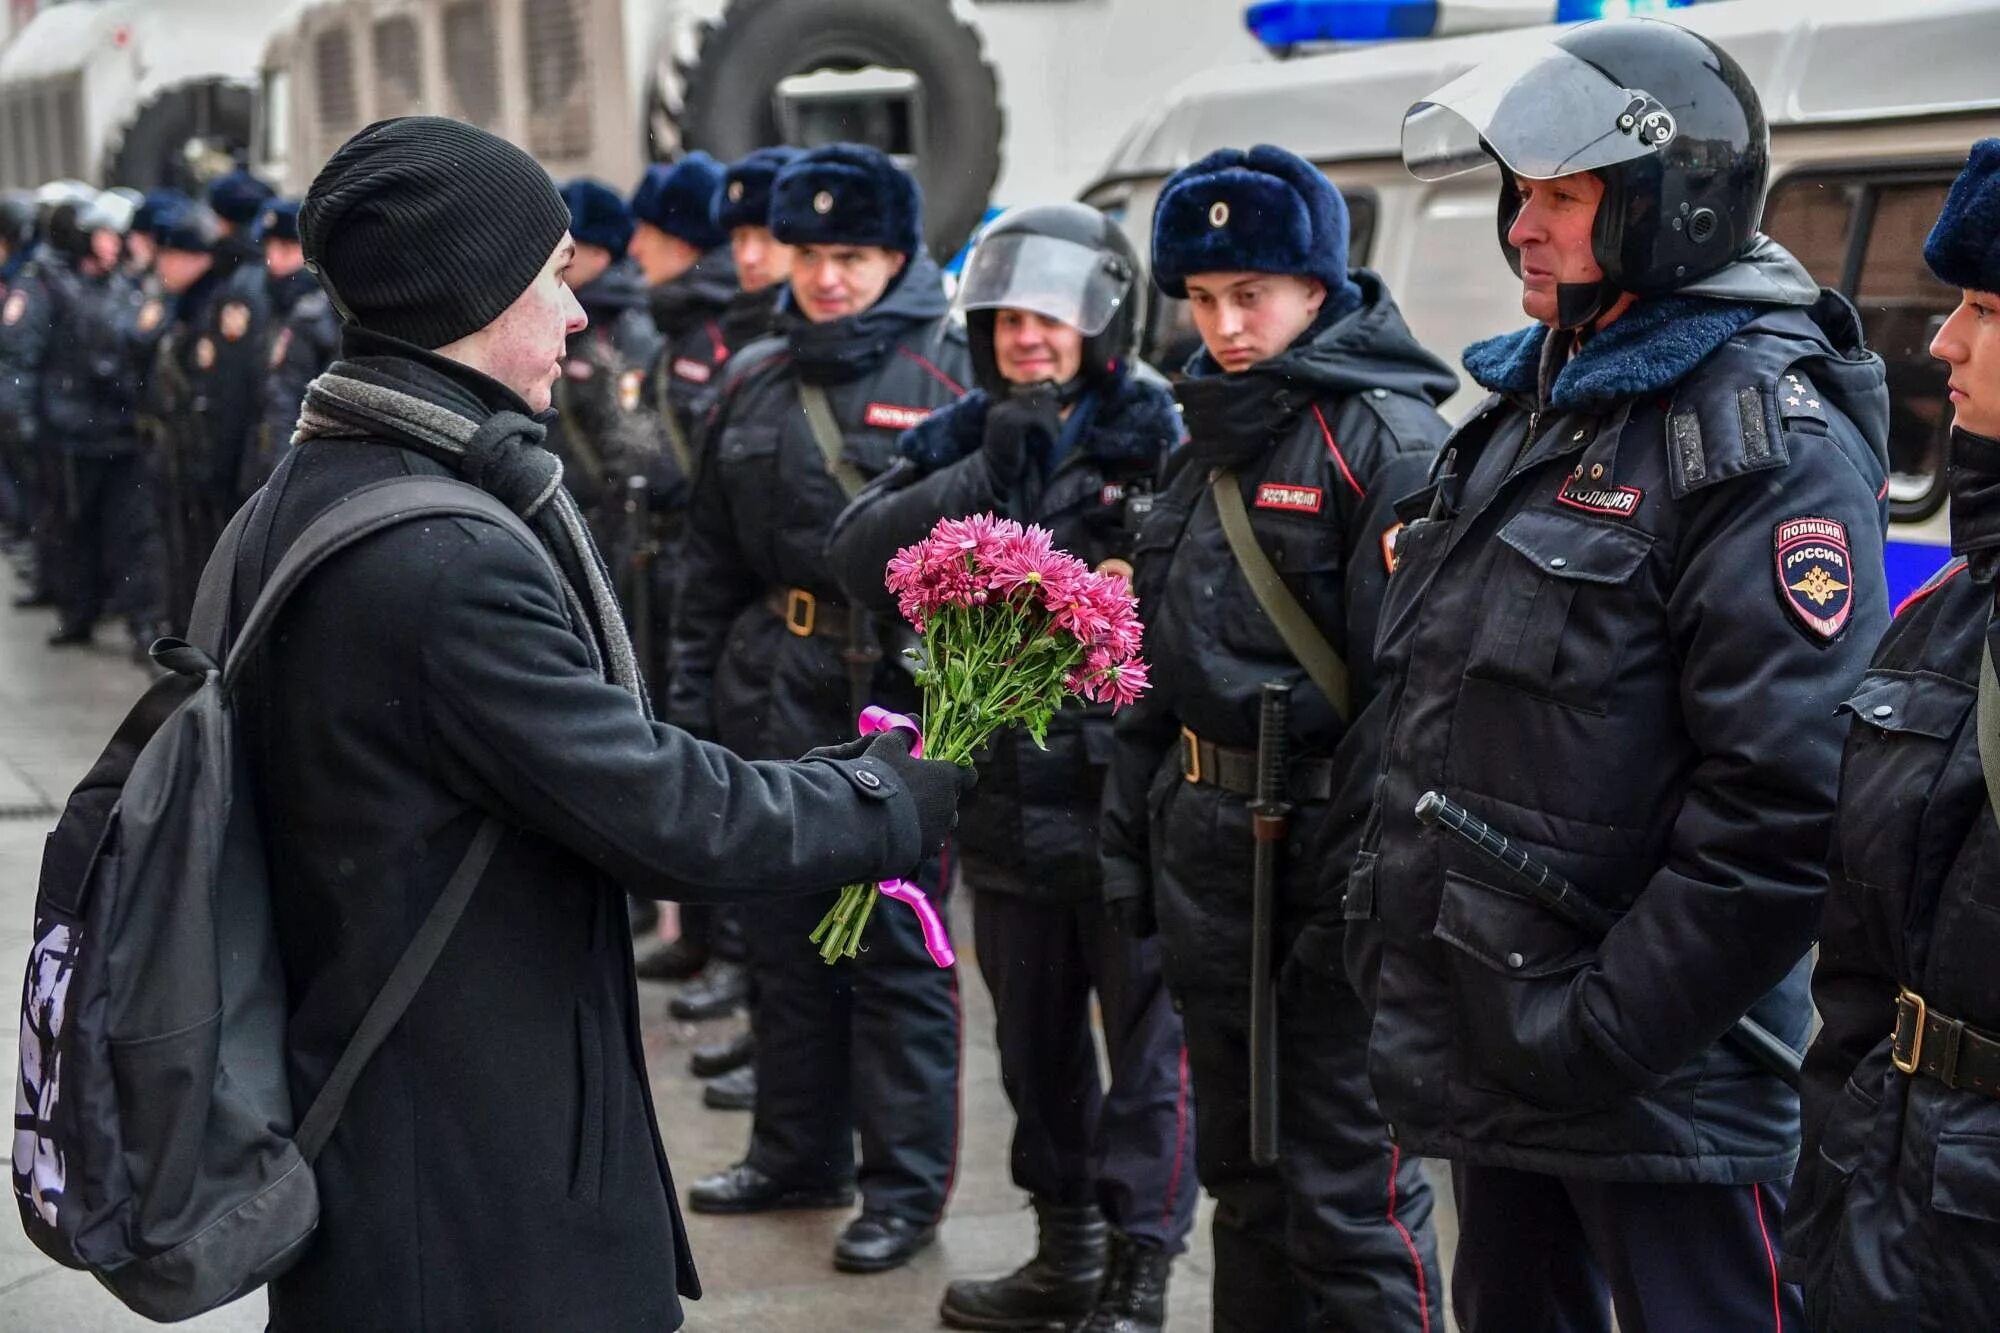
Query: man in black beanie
[(768, 658), (498, 1164)]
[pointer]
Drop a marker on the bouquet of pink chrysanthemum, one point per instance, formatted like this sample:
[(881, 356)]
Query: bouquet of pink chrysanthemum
[(1010, 627)]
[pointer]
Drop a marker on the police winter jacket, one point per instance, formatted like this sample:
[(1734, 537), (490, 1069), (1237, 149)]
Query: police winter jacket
[(1898, 1187), (306, 343), (1322, 439), (1033, 830), (67, 350), (499, 1164), (600, 432), (763, 508), (696, 340), (206, 384), (1621, 620)]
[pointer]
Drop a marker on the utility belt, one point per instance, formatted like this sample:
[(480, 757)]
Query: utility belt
[(1235, 771), (810, 617), (1927, 1042)]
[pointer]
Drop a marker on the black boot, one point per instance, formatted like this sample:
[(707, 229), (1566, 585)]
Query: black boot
[(1054, 1287), (672, 962), (734, 1091), (723, 1057), (719, 991), (1133, 1298)]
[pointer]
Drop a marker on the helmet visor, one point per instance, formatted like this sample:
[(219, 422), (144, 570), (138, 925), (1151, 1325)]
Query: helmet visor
[(1074, 284), (1541, 112)]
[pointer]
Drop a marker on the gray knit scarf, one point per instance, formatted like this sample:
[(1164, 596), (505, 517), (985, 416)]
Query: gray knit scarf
[(503, 456)]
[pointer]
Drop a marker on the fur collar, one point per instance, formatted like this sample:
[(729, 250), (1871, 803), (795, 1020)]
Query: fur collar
[(1650, 349)]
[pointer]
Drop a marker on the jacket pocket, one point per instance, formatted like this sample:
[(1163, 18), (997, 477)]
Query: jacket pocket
[(1308, 558), (1965, 1182), (1965, 1228), (1511, 963), (1901, 743), (1559, 607), (587, 1175)]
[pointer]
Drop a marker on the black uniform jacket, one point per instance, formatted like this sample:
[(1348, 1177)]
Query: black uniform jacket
[(499, 1165), (1619, 627), (1897, 1198), (696, 339), (206, 384), (764, 505), (603, 431), (305, 339), (68, 350), (1033, 830), (1323, 440)]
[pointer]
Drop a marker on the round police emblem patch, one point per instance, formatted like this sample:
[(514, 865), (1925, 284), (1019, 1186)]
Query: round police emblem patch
[(735, 192), (150, 315), (279, 346), (1815, 573), (204, 354), (234, 321), (1218, 214), (17, 306), (823, 203)]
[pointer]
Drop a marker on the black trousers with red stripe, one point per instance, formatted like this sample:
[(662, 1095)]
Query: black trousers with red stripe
[(1128, 1148), (1337, 1234), (867, 1047), (1555, 1254)]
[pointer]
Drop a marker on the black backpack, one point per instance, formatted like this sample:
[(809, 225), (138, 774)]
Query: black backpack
[(154, 1138)]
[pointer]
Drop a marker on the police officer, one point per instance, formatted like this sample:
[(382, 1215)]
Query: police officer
[(600, 433), (684, 255), (202, 400), (1060, 432), (1891, 1213), (305, 334), (763, 262), (17, 236), (1646, 570), (1309, 410), (766, 653)]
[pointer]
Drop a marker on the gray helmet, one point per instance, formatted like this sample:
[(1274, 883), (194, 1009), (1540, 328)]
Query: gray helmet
[(109, 211)]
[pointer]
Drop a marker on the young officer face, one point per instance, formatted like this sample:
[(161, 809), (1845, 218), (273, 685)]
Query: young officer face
[(1552, 232), (1031, 348), (662, 256), (833, 281), (1245, 318), (762, 260), (1969, 343), (523, 348), (283, 258), (589, 265)]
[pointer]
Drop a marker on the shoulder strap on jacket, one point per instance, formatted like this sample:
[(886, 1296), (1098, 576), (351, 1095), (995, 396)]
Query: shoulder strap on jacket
[(1294, 626), (826, 434), (1989, 727)]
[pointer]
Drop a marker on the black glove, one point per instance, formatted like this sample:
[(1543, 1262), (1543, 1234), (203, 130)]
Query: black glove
[(1029, 417), (937, 787)]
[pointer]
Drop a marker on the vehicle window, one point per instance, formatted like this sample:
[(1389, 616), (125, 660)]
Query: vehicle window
[(1864, 235), (1171, 338)]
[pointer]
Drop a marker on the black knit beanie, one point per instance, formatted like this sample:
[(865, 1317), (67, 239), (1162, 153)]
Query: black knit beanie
[(426, 229)]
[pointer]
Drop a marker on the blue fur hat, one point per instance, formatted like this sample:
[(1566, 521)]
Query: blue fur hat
[(191, 229), (679, 199), (745, 199), (238, 197), (1964, 246), (158, 210), (280, 221), (597, 216), (847, 194), (1264, 211)]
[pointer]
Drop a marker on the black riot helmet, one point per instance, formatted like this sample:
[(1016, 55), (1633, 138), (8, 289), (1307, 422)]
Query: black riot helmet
[(17, 220), (1066, 262), (1664, 117)]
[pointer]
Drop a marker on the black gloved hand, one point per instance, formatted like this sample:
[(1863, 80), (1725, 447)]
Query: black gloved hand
[(1030, 416), (937, 787)]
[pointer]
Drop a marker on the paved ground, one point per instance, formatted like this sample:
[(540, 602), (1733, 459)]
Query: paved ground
[(764, 1275)]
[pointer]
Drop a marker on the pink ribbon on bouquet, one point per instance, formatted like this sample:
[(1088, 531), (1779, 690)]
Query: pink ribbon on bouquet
[(873, 720)]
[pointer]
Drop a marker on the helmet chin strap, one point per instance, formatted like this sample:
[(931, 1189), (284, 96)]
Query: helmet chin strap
[(1579, 304)]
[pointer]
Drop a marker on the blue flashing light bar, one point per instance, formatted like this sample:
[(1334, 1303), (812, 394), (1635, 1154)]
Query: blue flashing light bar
[(1282, 23)]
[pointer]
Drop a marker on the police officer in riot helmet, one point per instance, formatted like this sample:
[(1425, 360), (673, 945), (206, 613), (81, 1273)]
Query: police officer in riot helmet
[(1644, 572), (767, 653), (1889, 1223), (1310, 408), (1065, 430)]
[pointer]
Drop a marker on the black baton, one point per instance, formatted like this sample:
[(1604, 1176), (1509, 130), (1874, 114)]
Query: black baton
[(1270, 813), (1563, 899)]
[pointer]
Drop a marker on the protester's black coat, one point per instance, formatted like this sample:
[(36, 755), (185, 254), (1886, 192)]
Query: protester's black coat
[(1897, 1196), (764, 505), (1033, 830), (1590, 645), (1356, 428), (498, 1166)]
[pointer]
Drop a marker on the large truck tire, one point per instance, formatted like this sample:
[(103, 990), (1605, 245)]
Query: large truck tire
[(152, 151), (728, 102)]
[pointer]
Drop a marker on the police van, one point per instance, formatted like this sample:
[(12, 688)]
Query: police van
[(1872, 108)]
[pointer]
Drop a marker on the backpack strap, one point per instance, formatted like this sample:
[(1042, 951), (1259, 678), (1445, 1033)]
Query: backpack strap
[(384, 504), (1294, 626), (208, 621), (394, 998)]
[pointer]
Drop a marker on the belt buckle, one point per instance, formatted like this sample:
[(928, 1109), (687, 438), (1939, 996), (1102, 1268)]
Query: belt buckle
[(1906, 998), (1190, 755), (801, 612)]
